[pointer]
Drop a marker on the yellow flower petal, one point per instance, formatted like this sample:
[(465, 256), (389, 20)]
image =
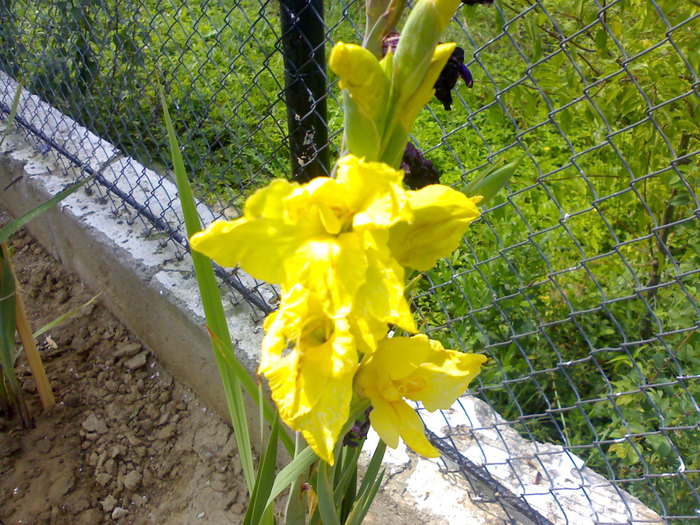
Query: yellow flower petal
[(361, 74), (426, 371), (375, 192), (441, 215), (258, 246), (309, 361), (390, 420), (415, 368), (382, 296)]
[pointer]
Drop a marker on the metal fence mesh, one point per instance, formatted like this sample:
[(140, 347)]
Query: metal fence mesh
[(580, 281)]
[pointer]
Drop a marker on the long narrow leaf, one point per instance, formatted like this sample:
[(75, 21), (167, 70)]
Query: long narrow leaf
[(14, 225), (213, 308), (263, 483), (64, 318), (326, 503), (349, 471), (291, 472), (372, 469), (491, 183), (7, 325), (364, 502), (295, 513), (13, 112)]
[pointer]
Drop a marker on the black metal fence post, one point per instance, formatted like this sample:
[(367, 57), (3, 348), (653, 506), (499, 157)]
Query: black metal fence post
[(303, 35)]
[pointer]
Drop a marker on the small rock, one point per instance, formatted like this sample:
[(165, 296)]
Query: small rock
[(29, 385), (61, 296), (139, 500), (108, 467), (132, 480), (71, 400), (119, 513), (44, 445), (166, 380), (133, 440), (220, 483), (61, 486), (117, 450), (166, 432), (8, 445), (103, 479), (136, 362), (94, 424), (128, 350), (109, 503), (89, 517)]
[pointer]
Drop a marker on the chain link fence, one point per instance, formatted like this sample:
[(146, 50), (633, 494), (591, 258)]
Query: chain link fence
[(580, 282)]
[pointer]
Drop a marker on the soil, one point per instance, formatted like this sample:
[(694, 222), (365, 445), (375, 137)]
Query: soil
[(125, 442)]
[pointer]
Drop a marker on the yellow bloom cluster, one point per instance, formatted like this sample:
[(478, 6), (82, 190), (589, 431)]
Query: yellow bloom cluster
[(383, 97), (338, 247)]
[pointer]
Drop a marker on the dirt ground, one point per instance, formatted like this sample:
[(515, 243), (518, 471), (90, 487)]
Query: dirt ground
[(125, 443)]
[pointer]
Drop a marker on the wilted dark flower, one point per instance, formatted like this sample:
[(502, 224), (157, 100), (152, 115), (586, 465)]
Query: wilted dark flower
[(357, 434), (453, 70), (419, 171), (391, 41)]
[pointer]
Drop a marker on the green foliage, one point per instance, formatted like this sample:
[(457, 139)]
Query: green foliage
[(579, 284)]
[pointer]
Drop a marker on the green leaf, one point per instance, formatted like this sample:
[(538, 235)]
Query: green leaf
[(263, 483), (232, 372), (489, 185), (213, 309), (13, 112), (291, 472), (14, 225), (344, 488), (7, 324), (63, 318), (326, 502), (369, 486), (601, 41)]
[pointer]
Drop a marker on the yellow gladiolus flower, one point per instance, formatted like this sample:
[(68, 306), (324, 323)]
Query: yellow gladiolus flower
[(422, 95), (421, 34), (312, 234), (309, 361), (365, 86), (361, 74), (380, 300), (441, 215), (415, 368)]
